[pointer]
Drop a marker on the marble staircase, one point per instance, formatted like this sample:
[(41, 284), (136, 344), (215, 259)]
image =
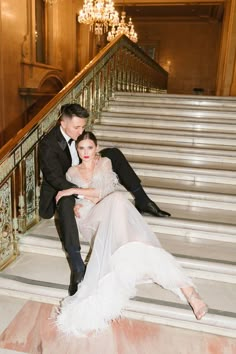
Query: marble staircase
[(184, 150)]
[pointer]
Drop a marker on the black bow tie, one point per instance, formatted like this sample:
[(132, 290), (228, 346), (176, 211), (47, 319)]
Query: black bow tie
[(70, 141)]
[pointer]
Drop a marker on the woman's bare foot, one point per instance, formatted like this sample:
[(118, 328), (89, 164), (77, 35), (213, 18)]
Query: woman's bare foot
[(198, 305)]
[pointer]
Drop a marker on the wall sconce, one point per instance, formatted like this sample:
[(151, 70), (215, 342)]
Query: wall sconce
[(168, 65)]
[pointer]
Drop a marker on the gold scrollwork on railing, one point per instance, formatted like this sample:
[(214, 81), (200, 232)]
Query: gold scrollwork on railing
[(30, 189), (8, 248)]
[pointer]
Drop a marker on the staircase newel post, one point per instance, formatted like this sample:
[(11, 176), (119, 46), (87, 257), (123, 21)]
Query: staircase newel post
[(21, 216), (37, 194), (15, 229)]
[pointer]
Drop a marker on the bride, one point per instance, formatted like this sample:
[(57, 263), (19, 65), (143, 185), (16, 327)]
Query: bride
[(125, 252)]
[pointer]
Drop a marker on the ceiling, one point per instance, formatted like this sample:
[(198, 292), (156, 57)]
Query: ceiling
[(182, 12)]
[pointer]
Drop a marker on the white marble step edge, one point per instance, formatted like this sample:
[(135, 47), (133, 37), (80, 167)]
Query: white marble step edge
[(168, 128), (192, 100), (51, 247), (186, 126), (181, 169), (195, 268), (191, 199), (187, 228), (193, 151), (169, 315), (169, 111), (151, 133), (169, 104), (177, 95), (195, 97), (185, 174), (194, 155), (14, 288), (193, 229), (30, 243), (155, 117), (157, 139), (196, 233)]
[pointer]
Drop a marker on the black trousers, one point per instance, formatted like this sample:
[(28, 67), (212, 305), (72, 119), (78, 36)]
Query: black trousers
[(68, 230), (122, 168)]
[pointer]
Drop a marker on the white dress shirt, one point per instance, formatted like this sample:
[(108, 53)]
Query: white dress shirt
[(72, 148)]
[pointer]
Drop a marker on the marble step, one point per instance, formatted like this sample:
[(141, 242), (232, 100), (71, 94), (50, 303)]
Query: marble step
[(192, 198), (150, 130), (159, 306), (181, 181), (146, 130), (185, 174), (45, 279), (155, 122), (175, 155), (155, 118), (193, 254), (166, 137), (190, 224), (168, 110), (190, 187), (209, 102)]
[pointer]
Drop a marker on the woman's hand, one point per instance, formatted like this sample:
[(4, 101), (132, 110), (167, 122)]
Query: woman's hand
[(64, 193), (76, 210)]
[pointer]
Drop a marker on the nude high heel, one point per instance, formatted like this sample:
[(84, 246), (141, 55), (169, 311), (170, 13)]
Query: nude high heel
[(197, 304)]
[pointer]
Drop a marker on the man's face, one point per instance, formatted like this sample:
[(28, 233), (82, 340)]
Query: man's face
[(74, 126)]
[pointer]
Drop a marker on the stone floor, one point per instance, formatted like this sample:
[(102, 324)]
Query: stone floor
[(28, 327)]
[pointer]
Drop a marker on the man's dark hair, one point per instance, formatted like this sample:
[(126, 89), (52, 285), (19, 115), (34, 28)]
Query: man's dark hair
[(73, 109)]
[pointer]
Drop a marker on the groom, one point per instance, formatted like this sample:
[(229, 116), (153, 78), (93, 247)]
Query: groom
[(57, 153)]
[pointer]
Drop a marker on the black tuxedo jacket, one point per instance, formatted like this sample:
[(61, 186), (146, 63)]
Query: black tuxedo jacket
[(55, 160)]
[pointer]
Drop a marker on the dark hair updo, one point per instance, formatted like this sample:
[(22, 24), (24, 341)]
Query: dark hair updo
[(86, 135)]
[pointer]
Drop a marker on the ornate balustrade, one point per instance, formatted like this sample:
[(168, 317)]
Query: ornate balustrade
[(120, 66)]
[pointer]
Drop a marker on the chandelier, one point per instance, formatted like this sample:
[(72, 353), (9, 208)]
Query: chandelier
[(99, 14), (123, 28)]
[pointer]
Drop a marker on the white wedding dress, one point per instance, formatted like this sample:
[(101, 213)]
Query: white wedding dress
[(125, 253)]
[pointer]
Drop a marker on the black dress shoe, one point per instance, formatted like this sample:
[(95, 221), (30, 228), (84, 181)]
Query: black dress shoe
[(152, 208), (75, 279)]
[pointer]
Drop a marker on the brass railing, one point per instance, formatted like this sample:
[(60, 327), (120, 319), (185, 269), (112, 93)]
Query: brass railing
[(120, 66)]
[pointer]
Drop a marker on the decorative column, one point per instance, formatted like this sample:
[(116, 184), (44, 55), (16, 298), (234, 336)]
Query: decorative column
[(226, 76)]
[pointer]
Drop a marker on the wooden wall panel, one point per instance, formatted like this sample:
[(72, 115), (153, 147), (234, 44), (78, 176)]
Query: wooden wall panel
[(188, 51)]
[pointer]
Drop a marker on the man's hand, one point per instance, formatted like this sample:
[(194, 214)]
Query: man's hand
[(76, 210), (64, 193)]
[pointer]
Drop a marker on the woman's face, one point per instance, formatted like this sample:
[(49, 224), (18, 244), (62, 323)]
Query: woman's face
[(87, 150)]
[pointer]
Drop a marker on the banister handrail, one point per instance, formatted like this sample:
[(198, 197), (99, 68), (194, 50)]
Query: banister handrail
[(120, 66)]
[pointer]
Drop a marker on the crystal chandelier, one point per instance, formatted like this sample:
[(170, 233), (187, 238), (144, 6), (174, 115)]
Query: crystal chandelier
[(99, 14), (123, 28)]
